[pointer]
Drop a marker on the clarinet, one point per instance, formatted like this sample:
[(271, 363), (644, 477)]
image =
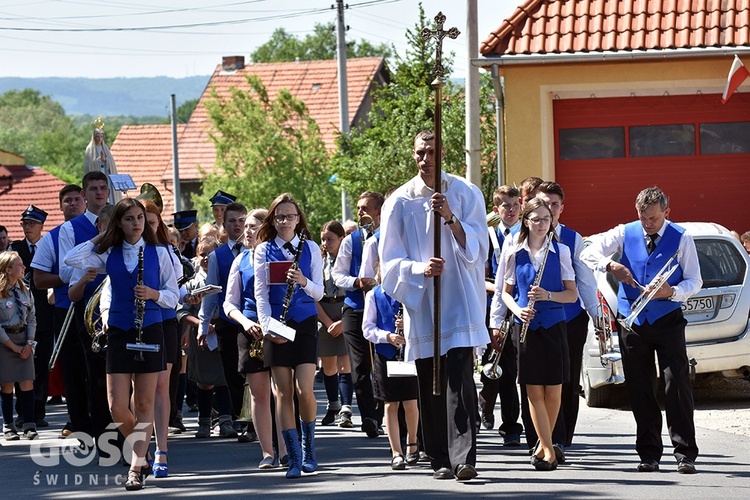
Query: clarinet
[(140, 306), (291, 284), (537, 280), (400, 333)]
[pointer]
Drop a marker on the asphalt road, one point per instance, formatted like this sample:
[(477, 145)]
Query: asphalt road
[(601, 464)]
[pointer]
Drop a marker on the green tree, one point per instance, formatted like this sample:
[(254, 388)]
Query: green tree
[(320, 45), (265, 147), (378, 154), (185, 110), (36, 127)]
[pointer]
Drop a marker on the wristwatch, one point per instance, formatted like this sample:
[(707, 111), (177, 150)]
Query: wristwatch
[(549, 295), (452, 220)]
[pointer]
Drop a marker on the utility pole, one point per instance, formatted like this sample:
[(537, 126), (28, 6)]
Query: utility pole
[(343, 91), (473, 147), (175, 163)]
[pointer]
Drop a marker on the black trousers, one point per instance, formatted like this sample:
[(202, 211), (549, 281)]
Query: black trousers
[(72, 362), (96, 376), (505, 387), (226, 334), (666, 339), (449, 427), (565, 426), (42, 353), (360, 358)]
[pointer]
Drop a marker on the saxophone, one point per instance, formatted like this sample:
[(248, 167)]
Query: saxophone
[(290, 284), (537, 280)]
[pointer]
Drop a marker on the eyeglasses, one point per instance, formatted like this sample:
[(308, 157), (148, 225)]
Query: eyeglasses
[(280, 219), (28, 223), (540, 220)]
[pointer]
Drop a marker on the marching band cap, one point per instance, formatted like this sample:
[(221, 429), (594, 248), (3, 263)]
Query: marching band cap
[(34, 213), (222, 198), (184, 219)]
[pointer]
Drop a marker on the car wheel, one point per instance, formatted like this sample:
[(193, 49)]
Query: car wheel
[(596, 397)]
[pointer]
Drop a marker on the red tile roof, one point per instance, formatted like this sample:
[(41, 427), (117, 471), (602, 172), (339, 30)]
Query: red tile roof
[(567, 26), (21, 186), (145, 152)]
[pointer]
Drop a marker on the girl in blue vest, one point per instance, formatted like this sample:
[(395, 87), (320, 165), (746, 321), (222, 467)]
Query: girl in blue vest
[(379, 326), (163, 403), (116, 251), (292, 363), (239, 305), (543, 357)]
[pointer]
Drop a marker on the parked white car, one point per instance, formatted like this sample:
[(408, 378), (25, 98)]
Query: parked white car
[(718, 330)]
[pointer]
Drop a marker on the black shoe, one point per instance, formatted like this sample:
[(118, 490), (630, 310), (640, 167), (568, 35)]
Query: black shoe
[(559, 452), (443, 473), (329, 418), (465, 472), (488, 421), (511, 440), (55, 400), (42, 423), (648, 465), (247, 436), (398, 463), (544, 465), (686, 466), (411, 458), (134, 481), (193, 409), (370, 427), (30, 434)]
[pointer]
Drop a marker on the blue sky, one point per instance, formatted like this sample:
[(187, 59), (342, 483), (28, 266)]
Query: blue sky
[(181, 38)]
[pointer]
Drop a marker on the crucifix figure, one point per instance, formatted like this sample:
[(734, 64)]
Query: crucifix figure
[(438, 34)]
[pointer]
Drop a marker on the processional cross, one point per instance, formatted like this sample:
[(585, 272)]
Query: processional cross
[(438, 34)]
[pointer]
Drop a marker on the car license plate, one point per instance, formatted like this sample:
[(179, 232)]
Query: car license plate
[(699, 305)]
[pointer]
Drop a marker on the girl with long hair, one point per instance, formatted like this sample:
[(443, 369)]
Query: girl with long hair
[(543, 363), (292, 363), (116, 252)]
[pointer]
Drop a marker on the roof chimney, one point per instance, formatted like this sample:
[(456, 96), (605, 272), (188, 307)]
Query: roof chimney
[(232, 63)]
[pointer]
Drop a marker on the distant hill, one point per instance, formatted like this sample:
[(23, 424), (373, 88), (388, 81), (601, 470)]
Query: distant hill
[(112, 96)]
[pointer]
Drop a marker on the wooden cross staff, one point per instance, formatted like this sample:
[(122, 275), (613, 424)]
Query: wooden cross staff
[(438, 34)]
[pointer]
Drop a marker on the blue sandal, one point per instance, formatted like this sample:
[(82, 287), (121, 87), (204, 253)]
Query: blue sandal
[(160, 469)]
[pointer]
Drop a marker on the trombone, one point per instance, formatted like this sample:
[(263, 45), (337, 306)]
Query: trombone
[(62, 335), (604, 328), (648, 291)]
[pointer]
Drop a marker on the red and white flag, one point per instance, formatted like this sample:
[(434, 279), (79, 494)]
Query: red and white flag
[(737, 75)]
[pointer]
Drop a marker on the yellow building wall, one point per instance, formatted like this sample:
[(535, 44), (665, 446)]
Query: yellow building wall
[(7, 158), (530, 90)]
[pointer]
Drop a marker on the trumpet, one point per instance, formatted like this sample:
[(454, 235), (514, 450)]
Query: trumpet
[(491, 369), (604, 328), (256, 349), (648, 291), (366, 222), (61, 336)]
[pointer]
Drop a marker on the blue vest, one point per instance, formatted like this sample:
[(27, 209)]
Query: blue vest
[(568, 237), (224, 258), (84, 230), (61, 292), (355, 298), (387, 308), (168, 312), (122, 309), (548, 312), (247, 275), (302, 306), (493, 261), (645, 267)]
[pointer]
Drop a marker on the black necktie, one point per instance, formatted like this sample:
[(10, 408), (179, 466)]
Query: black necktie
[(237, 247), (290, 248), (33, 249), (651, 244), (506, 232)]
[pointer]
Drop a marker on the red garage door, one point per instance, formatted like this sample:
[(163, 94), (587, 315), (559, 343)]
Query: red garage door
[(693, 147)]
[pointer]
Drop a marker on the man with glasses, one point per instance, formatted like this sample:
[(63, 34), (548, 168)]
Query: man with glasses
[(32, 222), (227, 330)]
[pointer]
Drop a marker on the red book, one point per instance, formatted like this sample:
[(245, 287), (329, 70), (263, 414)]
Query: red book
[(277, 271)]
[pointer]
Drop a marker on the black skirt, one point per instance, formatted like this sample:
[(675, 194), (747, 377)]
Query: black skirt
[(246, 363), (303, 350), (328, 345), (171, 340), (543, 357), (391, 389), (122, 360)]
